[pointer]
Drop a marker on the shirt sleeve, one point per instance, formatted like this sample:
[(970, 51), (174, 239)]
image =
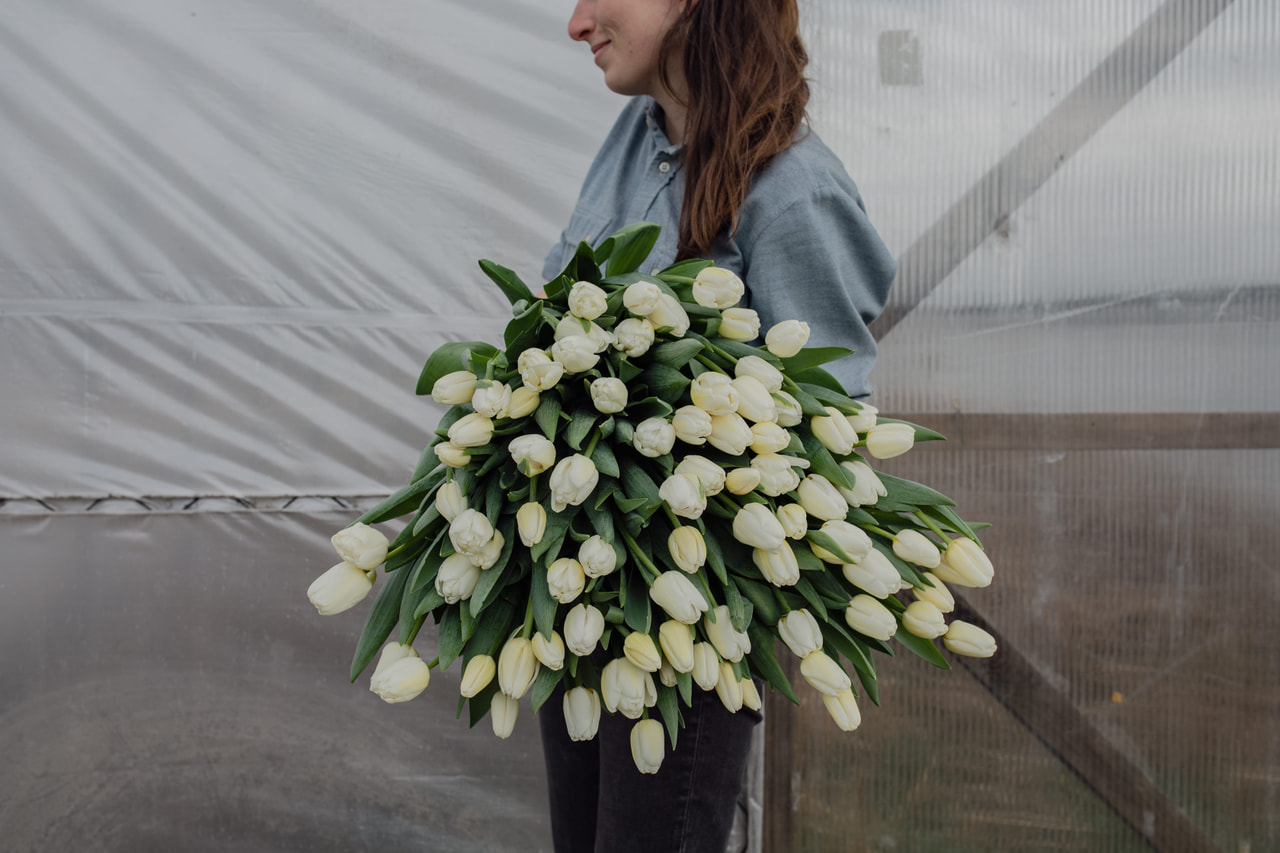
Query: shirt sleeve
[(821, 261)]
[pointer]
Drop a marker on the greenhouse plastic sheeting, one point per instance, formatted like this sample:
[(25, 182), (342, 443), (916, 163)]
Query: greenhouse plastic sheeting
[(231, 231)]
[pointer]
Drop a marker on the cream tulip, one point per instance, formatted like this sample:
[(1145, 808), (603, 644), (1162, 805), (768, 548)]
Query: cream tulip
[(779, 567), (487, 556), (549, 652), (517, 667), (740, 481), (969, 640), (833, 431), (873, 574), (867, 488), (706, 666), (450, 501), (708, 473), (755, 403), (477, 675), (731, 643), (473, 430), (451, 454), (470, 531), (869, 617), (524, 402), (729, 689), (572, 481), (794, 520), (714, 393), (622, 687), (777, 474), (403, 680), (583, 627), (642, 651), (843, 708), (691, 424), (800, 631), (598, 557), (753, 365), (688, 548), (676, 594), (824, 674), (853, 541), (730, 434), (587, 300), (965, 564), (683, 493), (750, 695), (361, 545), (756, 527), (340, 588), (787, 338), (457, 578), (492, 400), (641, 297), (864, 418), (790, 412), (885, 441), (577, 353), (676, 639), (820, 499), (581, 713), (739, 324), (538, 371), (924, 620), (633, 336), (648, 746), (914, 547), (609, 394), (503, 710), (566, 580), (531, 522), (768, 437), (668, 314), (532, 453), (454, 389), (717, 287), (667, 674), (938, 595), (654, 437)]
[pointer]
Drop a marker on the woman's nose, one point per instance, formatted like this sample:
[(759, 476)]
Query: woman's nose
[(582, 21)]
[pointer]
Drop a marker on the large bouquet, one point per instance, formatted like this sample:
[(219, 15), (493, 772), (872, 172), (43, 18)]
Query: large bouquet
[(630, 498)]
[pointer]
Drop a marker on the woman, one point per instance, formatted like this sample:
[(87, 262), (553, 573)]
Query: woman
[(713, 148)]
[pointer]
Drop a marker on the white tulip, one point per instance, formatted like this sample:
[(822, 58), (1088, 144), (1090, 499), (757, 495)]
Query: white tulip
[(454, 389), (452, 455), (794, 520), (800, 631), (361, 545), (641, 297), (477, 675), (457, 578), (729, 689), (470, 531), (787, 338), (873, 574), (598, 557), (587, 301), (864, 419), (642, 651), (768, 437), (885, 441), (577, 353), (750, 695), (503, 711), (676, 639), (868, 616), (729, 642), (683, 493), (843, 708), (740, 481), (647, 746), (753, 365), (777, 474), (531, 521), (609, 395), (583, 627), (572, 481), (492, 400), (756, 527), (340, 588), (790, 412), (692, 425), (566, 579), (450, 501), (706, 666), (924, 620), (550, 653), (532, 454), (668, 314), (867, 488), (403, 680), (622, 687), (574, 327), (780, 567), (820, 499), (487, 556), (914, 547), (524, 402), (965, 564), (824, 674), (730, 434), (391, 653), (676, 594), (667, 674), (538, 371), (633, 336), (688, 548), (714, 393), (654, 437), (517, 667), (708, 473), (852, 539), (581, 713), (969, 640), (739, 324), (473, 430), (755, 403), (938, 595), (833, 431), (717, 287)]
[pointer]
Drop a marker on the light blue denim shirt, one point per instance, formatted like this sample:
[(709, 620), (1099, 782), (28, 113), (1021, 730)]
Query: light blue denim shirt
[(804, 246)]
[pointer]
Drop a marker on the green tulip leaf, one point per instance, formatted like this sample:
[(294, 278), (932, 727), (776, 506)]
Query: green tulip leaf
[(922, 648), (449, 639), (811, 357), (553, 537), (922, 433), (685, 269), (580, 427), (382, 618), (676, 354), (478, 705), (827, 542), (544, 606), (762, 601), (508, 282), (627, 247), (449, 357), (764, 659), (905, 495), (547, 415), (669, 707), (402, 502), (543, 686), (824, 393), (664, 382), (605, 460), (822, 462), (637, 612), (492, 628)]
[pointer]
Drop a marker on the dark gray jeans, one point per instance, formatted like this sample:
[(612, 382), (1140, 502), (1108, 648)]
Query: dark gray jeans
[(600, 802)]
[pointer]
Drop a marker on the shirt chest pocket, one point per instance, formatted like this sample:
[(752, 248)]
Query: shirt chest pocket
[(585, 226)]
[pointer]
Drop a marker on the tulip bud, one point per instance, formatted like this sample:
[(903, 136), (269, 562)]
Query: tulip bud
[(708, 473), (768, 437), (457, 578), (641, 297), (667, 674), (538, 371), (706, 666), (450, 501), (675, 594), (688, 548), (577, 353), (867, 488), (572, 481), (790, 412), (824, 674), (753, 365), (452, 455), (834, 432), (869, 617), (391, 653), (800, 631), (787, 338), (717, 287), (517, 667), (777, 474), (740, 481), (692, 425), (598, 558), (855, 543), (669, 315), (489, 553), (361, 545), (566, 579), (609, 395), (640, 649), (633, 336), (969, 640), (885, 441), (820, 499), (647, 746), (583, 626), (654, 437), (780, 567), (477, 675), (473, 430), (622, 687), (587, 301), (683, 493), (470, 531), (864, 419), (730, 433), (843, 708), (340, 588), (403, 680), (938, 595), (924, 620), (750, 695), (676, 639), (729, 642), (454, 389), (575, 327), (729, 689), (755, 403), (503, 710), (794, 520), (873, 574), (581, 713), (739, 324), (756, 527), (531, 521), (914, 547), (965, 564), (492, 400), (524, 402), (533, 454), (714, 393), (550, 653)]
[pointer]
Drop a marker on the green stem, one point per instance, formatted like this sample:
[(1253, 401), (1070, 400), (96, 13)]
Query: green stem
[(527, 630), (678, 279), (880, 531), (929, 522), (647, 567), (433, 663), (417, 626), (591, 445), (711, 365)]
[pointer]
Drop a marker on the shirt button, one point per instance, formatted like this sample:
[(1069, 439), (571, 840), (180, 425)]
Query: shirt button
[(664, 167)]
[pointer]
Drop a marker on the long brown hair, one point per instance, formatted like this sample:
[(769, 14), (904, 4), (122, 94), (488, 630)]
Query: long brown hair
[(743, 63)]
